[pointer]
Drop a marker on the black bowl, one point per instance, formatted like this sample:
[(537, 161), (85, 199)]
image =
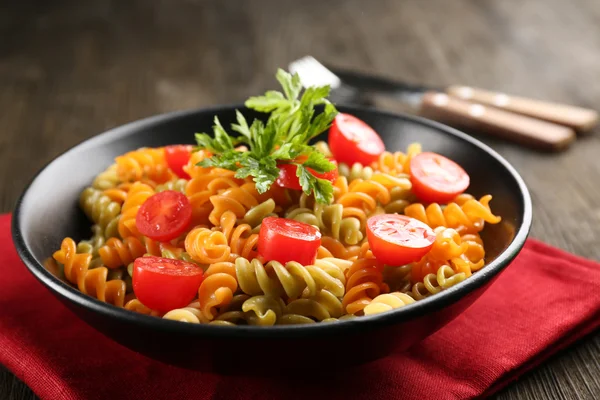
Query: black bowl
[(48, 211)]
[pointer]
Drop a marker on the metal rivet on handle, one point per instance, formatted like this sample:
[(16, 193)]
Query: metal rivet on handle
[(464, 92), (440, 99), (501, 100), (476, 110)]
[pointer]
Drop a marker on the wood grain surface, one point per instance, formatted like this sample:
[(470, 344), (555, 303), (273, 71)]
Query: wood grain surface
[(70, 69)]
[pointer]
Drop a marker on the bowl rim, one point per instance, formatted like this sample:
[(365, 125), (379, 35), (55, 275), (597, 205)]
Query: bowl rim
[(354, 325)]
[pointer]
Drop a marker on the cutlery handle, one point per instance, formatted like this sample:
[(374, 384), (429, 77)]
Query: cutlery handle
[(580, 119), (493, 121)]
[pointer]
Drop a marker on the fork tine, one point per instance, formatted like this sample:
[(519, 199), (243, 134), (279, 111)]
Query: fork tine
[(313, 73)]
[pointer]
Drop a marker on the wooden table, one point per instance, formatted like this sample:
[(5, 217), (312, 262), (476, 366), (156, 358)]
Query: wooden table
[(70, 69)]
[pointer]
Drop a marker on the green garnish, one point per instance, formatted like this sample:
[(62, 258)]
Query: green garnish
[(292, 123)]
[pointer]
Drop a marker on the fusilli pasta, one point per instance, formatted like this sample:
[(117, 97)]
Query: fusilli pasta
[(468, 217), (292, 280), (101, 210), (136, 196), (222, 245), (386, 302), (144, 163), (93, 282)]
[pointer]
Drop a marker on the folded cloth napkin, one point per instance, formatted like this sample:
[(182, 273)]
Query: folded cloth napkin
[(543, 302)]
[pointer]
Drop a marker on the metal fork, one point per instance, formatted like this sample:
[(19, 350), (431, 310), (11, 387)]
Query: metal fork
[(313, 73), (436, 104)]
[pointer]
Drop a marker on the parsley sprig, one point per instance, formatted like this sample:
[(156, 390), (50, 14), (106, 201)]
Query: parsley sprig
[(292, 124)]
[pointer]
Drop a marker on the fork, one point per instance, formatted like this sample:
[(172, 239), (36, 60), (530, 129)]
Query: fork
[(450, 108)]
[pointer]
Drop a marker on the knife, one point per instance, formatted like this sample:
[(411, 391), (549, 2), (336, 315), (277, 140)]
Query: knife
[(439, 104)]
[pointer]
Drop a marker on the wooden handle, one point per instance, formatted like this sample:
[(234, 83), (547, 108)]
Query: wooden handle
[(580, 119), (493, 121)]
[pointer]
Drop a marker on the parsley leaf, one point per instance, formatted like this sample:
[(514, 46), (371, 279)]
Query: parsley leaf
[(249, 166), (288, 151), (290, 83), (269, 102), (267, 174), (314, 95), (322, 122), (318, 162), (293, 121), (221, 143), (242, 126), (227, 160), (322, 188)]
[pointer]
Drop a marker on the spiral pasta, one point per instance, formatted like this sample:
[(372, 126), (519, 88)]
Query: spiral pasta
[(433, 283), (364, 282), (398, 278), (233, 314), (107, 179), (367, 195), (92, 245), (239, 286), (292, 280), (400, 198), (323, 306), (187, 314), (323, 148), (237, 200), (256, 214), (468, 217), (386, 302), (398, 162), (205, 183), (116, 253), (118, 194), (92, 282), (217, 288), (192, 169), (136, 306), (331, 247), (475, 252), (355, 171), (148, 163), (178, 185), (263, 310), (332, 220), (256, 310), (240, 239), (207, 246), (101, 210), (364, 195), (448, 248), (137, 195)]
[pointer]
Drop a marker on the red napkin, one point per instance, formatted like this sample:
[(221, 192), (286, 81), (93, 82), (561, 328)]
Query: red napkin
[(543, 302)]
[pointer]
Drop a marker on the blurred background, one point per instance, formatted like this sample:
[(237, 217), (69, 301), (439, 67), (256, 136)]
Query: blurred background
[(70, 69)]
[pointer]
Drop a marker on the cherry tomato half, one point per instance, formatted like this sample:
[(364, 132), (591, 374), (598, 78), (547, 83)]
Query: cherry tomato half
[(351, 141), (437, 179), (287, 175), (177, 157), (286, 240), (397, 240), (164, 284), (164, 216)]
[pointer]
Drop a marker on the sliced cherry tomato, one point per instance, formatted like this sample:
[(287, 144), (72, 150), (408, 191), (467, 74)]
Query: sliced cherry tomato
[(351, 141), (397, 240), (286, 240), (164, 284), (287, 175), (164, 216), (177, 157), (437, 179)]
